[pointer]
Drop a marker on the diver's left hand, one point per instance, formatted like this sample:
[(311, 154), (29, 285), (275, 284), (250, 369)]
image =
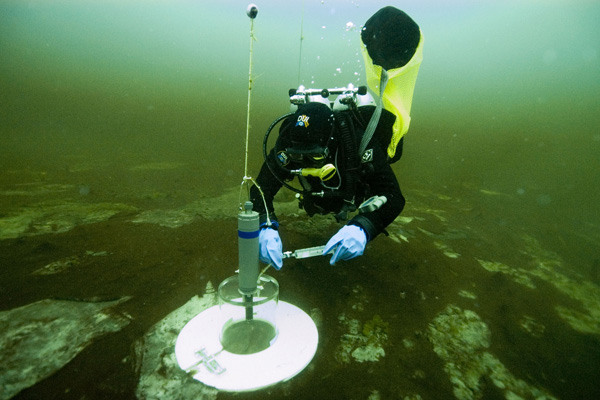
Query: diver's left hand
[(349, 242)]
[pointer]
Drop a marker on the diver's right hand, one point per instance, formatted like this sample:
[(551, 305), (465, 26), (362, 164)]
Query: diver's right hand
[(270, 249)]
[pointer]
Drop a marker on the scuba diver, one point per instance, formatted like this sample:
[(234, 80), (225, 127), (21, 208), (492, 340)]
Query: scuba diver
[(341, 151)]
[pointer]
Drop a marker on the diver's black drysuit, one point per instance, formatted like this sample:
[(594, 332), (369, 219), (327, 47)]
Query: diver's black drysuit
[(358, 178)]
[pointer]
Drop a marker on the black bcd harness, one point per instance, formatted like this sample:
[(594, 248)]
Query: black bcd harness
[(352, 166)]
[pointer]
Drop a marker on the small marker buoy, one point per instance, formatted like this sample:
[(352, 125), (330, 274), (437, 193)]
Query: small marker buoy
[(252, 10)]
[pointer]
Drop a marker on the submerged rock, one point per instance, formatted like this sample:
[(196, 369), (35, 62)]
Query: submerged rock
[(363, 342), (49, 217), (160, 375), (211, 208), (40, 338), (220, 207), (59, 266), (532, 327), (461, 339), (547, 266)]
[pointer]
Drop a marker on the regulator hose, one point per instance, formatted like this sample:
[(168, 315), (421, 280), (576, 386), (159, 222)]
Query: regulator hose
[(266, 156), (350, 159)]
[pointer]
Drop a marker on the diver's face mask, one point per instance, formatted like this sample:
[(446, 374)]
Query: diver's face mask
[(316, 157)]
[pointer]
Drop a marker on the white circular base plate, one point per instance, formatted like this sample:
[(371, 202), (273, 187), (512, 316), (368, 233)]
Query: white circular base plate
[(199, 351)]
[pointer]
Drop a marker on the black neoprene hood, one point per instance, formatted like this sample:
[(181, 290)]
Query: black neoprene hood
[(311, 127), (391, 37)]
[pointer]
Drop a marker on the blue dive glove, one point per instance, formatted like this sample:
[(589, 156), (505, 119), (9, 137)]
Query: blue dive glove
[(349, 242), (269, 247)]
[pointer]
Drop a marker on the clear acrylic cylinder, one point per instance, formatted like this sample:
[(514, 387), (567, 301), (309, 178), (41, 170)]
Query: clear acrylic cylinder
[(249, 324)]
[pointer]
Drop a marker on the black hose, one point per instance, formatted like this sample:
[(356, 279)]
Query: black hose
[(350, 159), (266, 157)]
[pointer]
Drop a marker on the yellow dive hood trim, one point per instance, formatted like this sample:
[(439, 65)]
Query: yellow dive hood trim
[(398, 94)]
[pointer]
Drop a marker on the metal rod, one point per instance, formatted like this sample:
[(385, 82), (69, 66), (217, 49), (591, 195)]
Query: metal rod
[(249, 307)]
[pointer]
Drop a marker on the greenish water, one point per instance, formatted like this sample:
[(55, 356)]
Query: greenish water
[(112, 113)]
